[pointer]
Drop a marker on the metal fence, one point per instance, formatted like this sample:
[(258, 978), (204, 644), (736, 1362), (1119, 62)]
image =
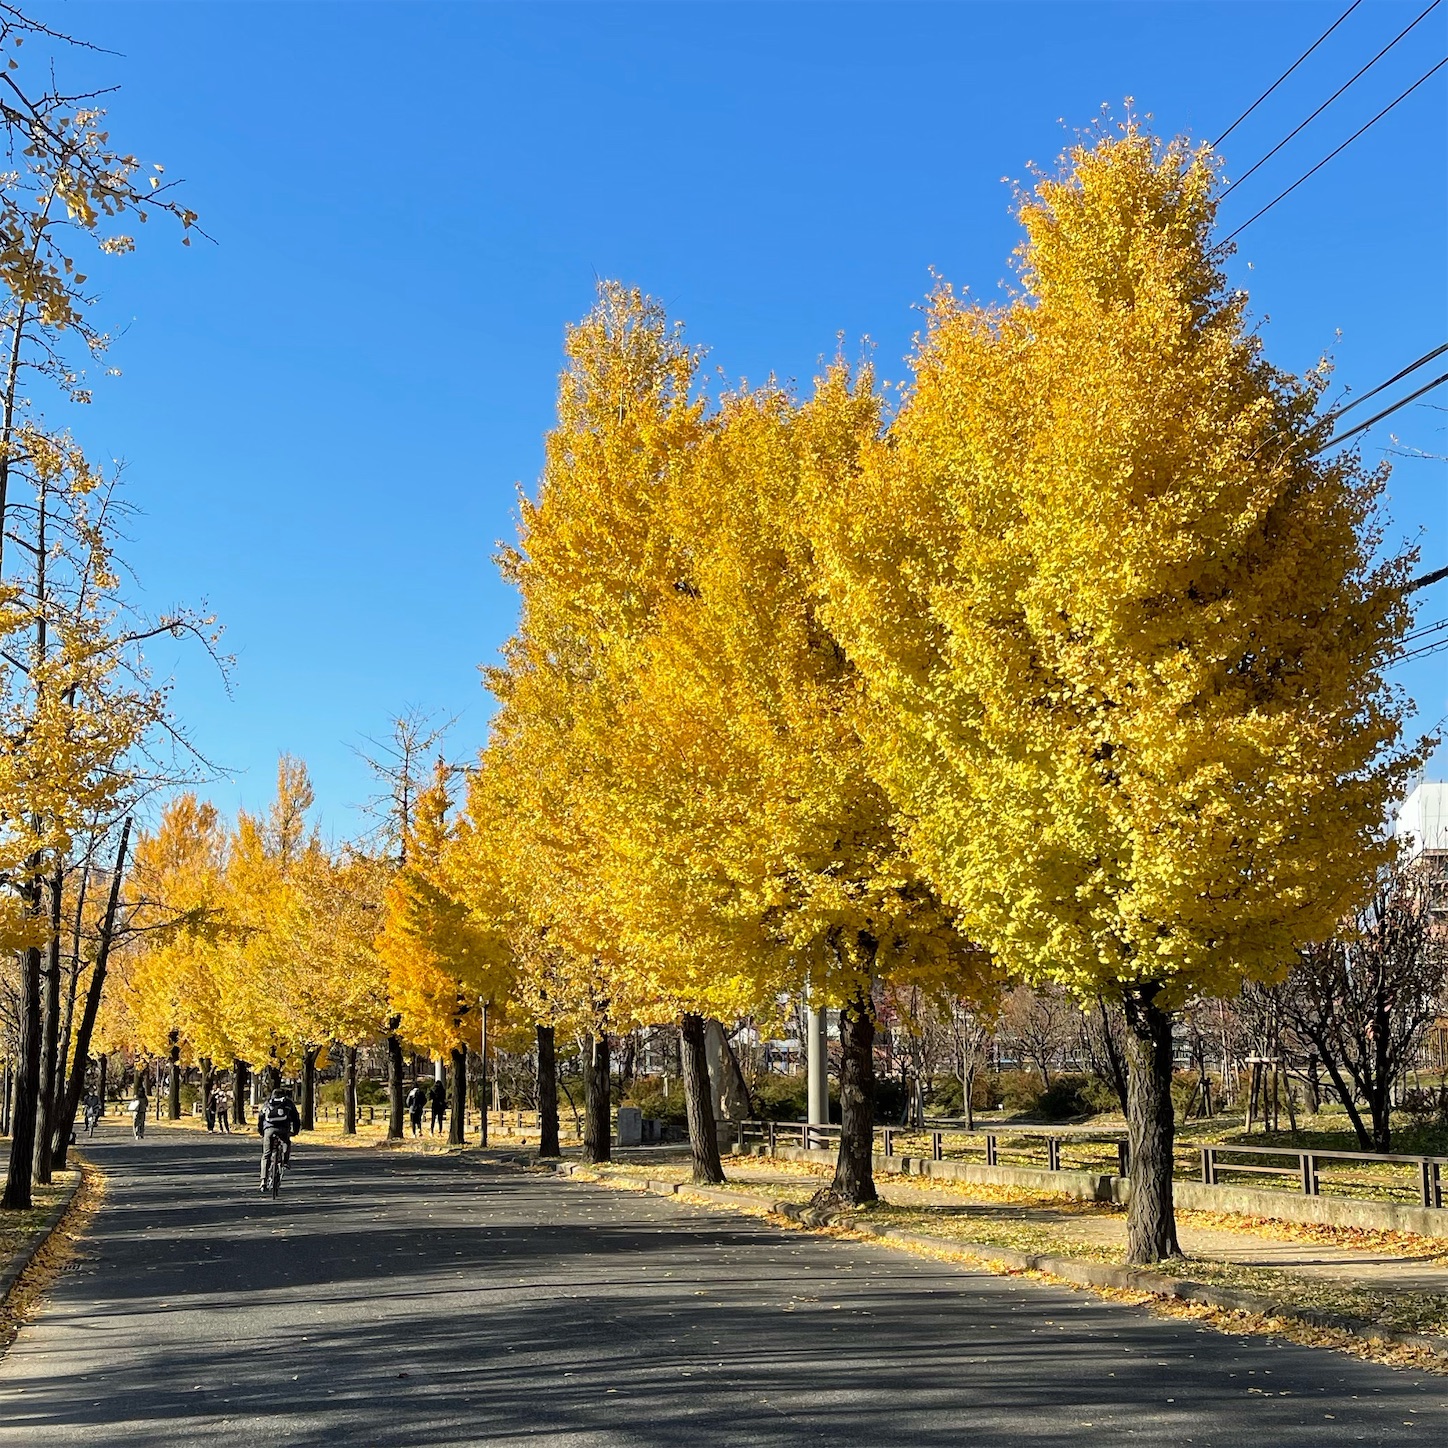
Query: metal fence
[(1381, 1177)]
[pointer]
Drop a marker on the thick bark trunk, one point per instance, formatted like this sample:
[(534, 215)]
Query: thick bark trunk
[(854, 1180), (597, 1117), (27, 1086), (173, 1094), (547, 1094), (50, 1047), (456, 1136), (699, 1101), (394, 1085), (1150, 1218), (349, 1091), (309, 1088), (238, 1093)]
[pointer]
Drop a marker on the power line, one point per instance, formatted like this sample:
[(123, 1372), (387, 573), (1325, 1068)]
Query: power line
[(1344, 86), (1383, 386), (1378, 416), (1286, 73), (1283, 195)]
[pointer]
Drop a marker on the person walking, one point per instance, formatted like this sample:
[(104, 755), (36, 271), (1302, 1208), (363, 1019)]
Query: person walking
[(209, 1105), (439, 1106), (416, 1101), (142, 1105)]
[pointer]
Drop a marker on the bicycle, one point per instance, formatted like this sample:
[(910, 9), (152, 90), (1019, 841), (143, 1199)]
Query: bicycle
[(273, 1156)]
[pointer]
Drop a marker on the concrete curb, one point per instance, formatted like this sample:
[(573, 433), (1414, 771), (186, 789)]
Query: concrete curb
[(11, 1272), (1067, 1269)]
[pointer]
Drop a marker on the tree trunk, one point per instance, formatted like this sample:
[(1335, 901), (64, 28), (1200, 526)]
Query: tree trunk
[(394, 1084), (103, 1064), (456, 1136), (238, 1093), (173, 1095), (1380, 1112), (967, 1091), (7, 1085), (50, 1046), (349, 1090), (483, 1077), (854, 1180), (699, 1101), (81, 1057), (1150, 1218), (27, 1082), (309, 1088), (597, 1117), (547, 1094)]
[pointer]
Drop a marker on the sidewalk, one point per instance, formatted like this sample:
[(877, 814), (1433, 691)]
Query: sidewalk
[(1391, 1280)]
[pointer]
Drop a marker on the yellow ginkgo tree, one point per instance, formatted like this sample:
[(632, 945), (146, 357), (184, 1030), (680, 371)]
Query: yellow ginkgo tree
[(1122, 623)]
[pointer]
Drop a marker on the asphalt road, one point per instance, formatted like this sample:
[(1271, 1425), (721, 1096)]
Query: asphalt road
[(395, 1300)]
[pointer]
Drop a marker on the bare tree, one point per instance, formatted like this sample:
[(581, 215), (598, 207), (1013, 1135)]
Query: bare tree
[(1366, 999), (1103, 1046), (1038, 1023)]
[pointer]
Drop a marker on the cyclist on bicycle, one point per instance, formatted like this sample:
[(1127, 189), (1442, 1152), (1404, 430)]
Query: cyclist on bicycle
[(279, 1117)]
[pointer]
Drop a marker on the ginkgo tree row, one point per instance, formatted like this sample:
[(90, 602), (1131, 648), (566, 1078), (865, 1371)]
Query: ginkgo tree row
[(1064, 668), (1067, 670)]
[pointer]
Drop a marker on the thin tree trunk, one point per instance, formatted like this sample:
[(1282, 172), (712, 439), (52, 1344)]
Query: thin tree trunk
[(50, 1046), (597, 1115), (1150, 1218), (349, 1090), (238, 1092), (967, 1092), (27, 1075), (173, 1094), (547, 1094), (854, 1179), (394, 1084), (458, 1081), (309, 1088), (103, 1065), (483, 1076), (81, 1059), (699, 1101), (7, 1084)]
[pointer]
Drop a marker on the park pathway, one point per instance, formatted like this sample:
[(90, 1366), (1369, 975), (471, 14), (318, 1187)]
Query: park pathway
[(391, 1299)]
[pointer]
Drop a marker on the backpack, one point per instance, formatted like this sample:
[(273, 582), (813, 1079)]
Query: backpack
[(276, 1113)]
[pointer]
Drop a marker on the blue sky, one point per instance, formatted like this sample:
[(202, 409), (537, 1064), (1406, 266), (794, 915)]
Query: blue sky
[(325, 414)]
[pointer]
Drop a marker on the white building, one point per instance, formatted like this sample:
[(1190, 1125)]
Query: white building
[(1422, 822)]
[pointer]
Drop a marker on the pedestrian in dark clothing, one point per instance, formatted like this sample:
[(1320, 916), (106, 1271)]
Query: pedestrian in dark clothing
[(210, 1104), (416, 1101), (439, 1105)]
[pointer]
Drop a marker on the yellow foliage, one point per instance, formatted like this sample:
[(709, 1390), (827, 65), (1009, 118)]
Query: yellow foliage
[(1122, 635)]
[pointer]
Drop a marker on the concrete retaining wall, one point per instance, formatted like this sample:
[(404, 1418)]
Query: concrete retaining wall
[(1088, 1186)]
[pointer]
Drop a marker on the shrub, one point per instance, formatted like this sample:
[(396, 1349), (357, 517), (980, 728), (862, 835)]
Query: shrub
[(647, 1093), (1067, 1096), (369, 1092)]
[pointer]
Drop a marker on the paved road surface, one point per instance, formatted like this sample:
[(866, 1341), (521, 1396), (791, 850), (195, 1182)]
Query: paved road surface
[(395, 1300)]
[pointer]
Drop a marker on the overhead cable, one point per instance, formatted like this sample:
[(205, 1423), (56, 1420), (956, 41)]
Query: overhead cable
[(1383, 386), (1286, 73), (1344, 86), (1379, 416), (1283, 195)]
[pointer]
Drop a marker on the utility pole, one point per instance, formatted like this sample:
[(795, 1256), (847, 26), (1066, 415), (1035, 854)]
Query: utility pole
[(817, 1063)]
